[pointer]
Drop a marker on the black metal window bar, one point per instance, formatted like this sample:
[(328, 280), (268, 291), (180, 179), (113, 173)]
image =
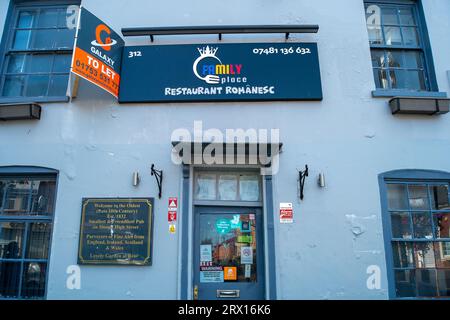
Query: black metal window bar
[(286, 29)]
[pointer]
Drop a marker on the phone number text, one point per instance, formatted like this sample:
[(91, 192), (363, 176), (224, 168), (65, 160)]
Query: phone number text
[(284, 51)]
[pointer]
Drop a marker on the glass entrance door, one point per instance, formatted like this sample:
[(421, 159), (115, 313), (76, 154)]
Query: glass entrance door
[(228, 253)]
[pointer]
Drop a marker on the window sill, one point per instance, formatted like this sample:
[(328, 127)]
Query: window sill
[(33, 99), (406, 93)]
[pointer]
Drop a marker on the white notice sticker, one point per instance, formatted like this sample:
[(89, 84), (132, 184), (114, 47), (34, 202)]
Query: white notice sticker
[(205, 253), (246, 255), (248, 270), (286, 212)]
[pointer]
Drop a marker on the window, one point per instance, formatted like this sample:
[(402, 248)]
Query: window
[(227, 186), (27, 204), (397, 41), (38, 51), (417, 228)]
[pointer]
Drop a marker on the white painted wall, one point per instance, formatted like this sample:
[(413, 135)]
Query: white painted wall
[(350, 136)]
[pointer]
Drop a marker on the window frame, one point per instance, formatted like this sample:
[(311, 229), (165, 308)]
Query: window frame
[(217, 172), (34, 173), (7, 39), (424, 46), (444, 255), (406, 176)]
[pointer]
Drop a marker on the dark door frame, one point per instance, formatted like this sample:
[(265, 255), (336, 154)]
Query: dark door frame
[(186, 215), (260, 259)]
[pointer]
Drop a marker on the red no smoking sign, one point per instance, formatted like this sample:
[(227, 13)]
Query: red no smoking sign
[(172, 216)]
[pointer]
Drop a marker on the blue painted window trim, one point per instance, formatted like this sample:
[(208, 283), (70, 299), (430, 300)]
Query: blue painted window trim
[(34, 172), (405, 176), (6, 38), (184, 214), (24, 170), (425, 46), (271, 249), (35, 100)]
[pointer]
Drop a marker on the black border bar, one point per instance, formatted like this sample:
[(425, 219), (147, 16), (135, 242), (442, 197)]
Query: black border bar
[(152, 31)]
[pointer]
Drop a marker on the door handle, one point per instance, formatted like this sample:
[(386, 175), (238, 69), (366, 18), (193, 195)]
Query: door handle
[(195, 292)]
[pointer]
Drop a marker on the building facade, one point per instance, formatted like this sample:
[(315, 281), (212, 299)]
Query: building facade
[(374, 219)]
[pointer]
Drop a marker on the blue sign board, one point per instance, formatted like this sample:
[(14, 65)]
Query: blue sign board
[(220, 72)]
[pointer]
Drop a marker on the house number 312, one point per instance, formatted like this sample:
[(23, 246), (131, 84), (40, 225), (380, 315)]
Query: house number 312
[(133, 54)]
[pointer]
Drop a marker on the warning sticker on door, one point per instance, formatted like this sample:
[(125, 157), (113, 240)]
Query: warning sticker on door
[(205, 253), (248, 270), (230, 273), (211, 274), (223, 226), (246, 255), (244, 239), (245, 226), (236, 222)]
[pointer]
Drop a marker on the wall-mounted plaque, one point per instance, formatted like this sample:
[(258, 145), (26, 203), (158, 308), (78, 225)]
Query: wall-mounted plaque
[(116, 231)]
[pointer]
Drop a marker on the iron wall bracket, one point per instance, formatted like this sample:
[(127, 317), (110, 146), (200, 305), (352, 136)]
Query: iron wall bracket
[(159, 179)]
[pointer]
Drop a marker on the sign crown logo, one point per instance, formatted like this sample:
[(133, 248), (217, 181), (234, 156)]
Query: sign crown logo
[(207, 52)]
